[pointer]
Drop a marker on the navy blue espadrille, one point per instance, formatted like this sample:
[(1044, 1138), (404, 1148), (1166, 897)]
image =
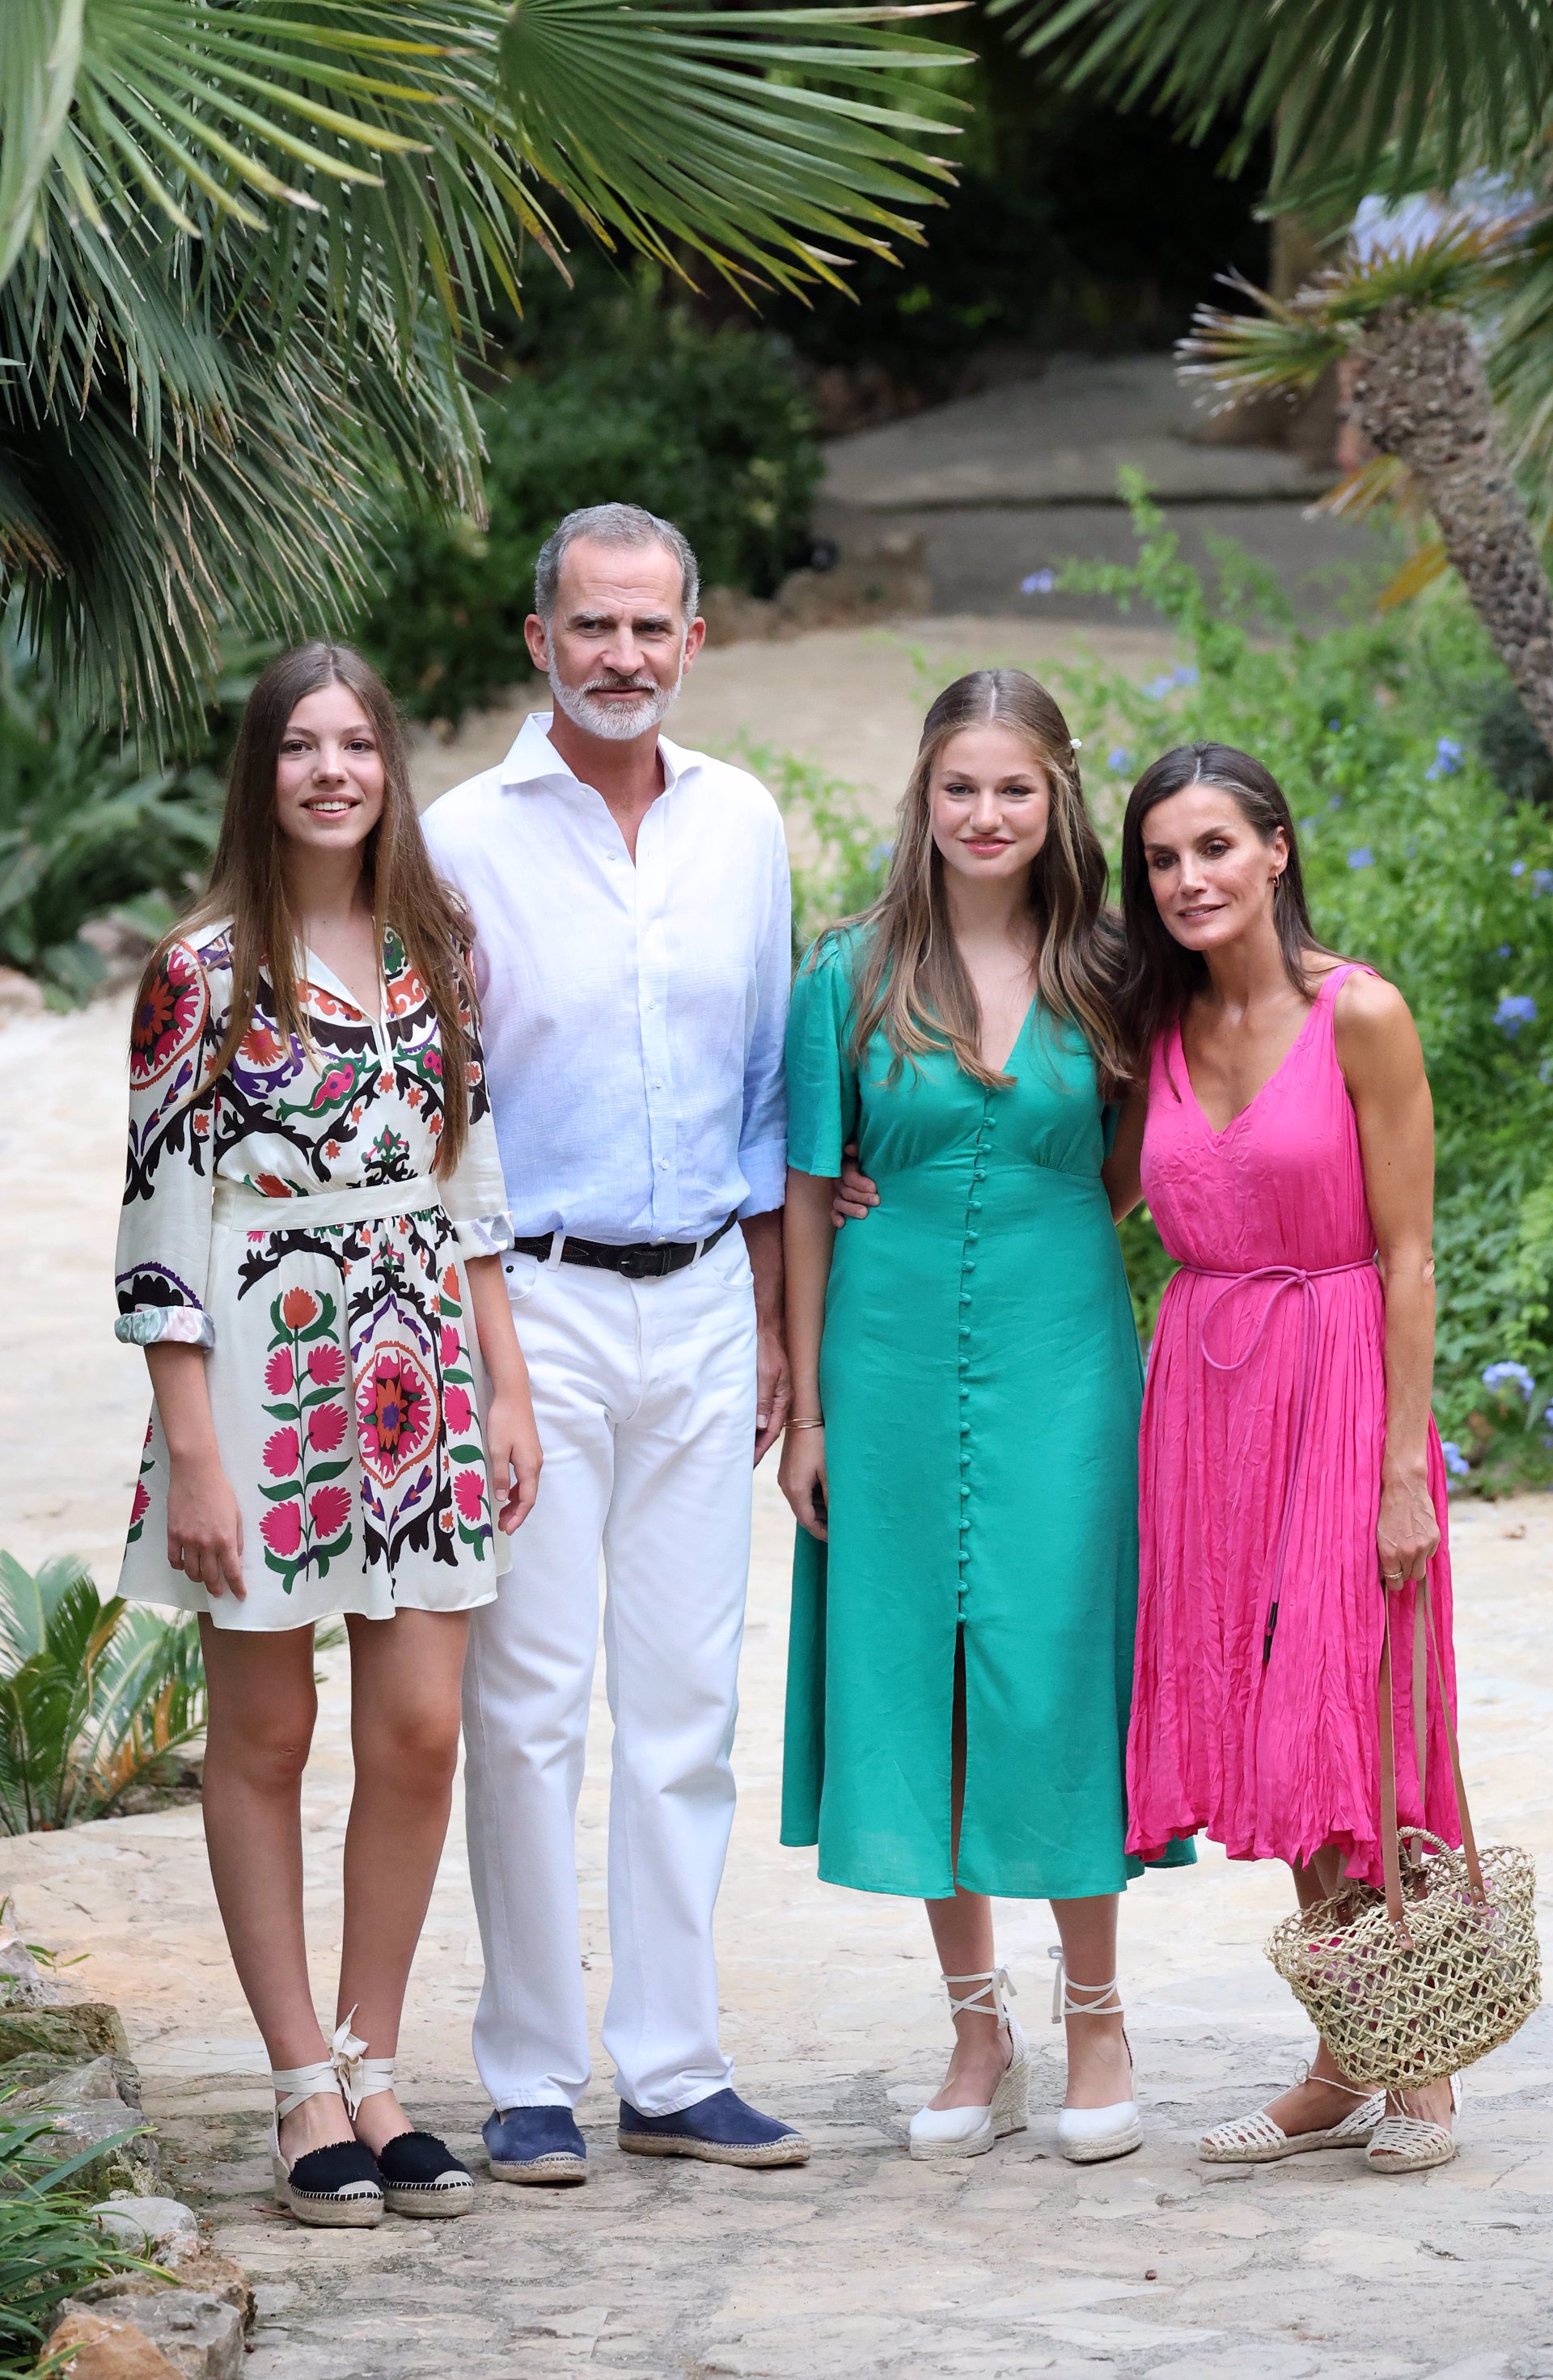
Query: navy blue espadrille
[(535, 2144), (723, 2129)]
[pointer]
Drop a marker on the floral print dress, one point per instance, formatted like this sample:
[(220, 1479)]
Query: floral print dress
[(282, 1215)]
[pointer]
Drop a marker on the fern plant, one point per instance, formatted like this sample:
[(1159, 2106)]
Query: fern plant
[(93, 1695)]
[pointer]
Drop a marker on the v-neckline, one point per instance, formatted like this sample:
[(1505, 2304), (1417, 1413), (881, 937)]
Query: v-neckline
[(1217, 1131), (1023, 1029), (321, 972)]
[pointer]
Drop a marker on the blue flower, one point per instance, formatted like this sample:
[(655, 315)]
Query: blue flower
[(1362, 857), (1517, 1008), (1542, 880), (1505, 951), (1506, 1376), (1308, 824), (1334, 727), (1334, 802), (1040, 582), (1118, 757), (1183, 674), (1447, 761), (1456, 1462), (881, 855), (1518, 868)]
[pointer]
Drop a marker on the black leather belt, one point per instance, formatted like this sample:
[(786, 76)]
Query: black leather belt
[(648, 1261)]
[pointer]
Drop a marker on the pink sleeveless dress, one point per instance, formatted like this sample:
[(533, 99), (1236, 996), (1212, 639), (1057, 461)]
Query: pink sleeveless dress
[(1260, 1610)]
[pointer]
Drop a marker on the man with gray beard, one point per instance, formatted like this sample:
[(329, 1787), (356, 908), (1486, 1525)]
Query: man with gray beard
[(632, 951)]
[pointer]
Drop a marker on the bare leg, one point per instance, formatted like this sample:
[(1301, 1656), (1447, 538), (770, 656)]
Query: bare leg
[(263, 1706), (1319, 2102), (1099, 2068), (963, 1937), (405, 1676)]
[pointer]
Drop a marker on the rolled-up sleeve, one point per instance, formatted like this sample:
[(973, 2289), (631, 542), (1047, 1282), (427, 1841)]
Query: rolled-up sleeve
[(163, 1259), (475, 1195), (763, 1137)]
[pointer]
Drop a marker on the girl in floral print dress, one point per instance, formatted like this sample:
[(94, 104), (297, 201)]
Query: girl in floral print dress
[(309, 1254)]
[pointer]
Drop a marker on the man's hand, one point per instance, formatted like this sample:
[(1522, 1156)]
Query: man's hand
[(854, 1193), (773, 1387)]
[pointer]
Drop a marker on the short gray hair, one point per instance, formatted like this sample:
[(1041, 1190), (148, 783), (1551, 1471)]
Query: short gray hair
[(613, 525)]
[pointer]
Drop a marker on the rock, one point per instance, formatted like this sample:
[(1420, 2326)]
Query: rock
[(74, 2029), (20, 996), (218, 2276), (734, 618), (874, 579), (201, 2268), (100, 2347), (91, 2104), (159, 2227), (198, 2333), (22, 1981)]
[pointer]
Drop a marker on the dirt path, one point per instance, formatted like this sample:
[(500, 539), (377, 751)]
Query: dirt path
[(1157, 2268), (850, 698)]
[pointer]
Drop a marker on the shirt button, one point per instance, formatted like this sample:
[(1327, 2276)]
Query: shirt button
[(975, 1205), (662, 1165)]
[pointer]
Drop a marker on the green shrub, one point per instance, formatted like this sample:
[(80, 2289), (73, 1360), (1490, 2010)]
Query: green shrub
[(708, 428), (49, 2243), (94, 1696), (86, 830)]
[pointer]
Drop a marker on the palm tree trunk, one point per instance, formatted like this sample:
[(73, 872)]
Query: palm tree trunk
[(1419, 392)]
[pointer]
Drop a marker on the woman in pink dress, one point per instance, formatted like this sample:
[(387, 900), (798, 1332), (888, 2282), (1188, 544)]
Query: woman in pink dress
[(1290, 1474)]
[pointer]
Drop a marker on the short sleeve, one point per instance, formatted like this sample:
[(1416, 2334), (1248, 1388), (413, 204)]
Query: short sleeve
[(164, 1252), (822, 1099), (475, 1194)]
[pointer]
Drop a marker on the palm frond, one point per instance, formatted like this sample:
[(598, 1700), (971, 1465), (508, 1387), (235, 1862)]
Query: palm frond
[(1428, 563), (752, 136), (1364, 94), (1277, 348), (1287, 343)]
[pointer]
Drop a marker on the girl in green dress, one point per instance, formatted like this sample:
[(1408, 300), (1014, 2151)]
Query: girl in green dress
[(962, 1456)]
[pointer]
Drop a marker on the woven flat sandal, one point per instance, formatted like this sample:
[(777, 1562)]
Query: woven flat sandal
[(1404, 2143), (337, 2188), (943, 2132), (1256, 2139), (421, 2175), (1089, 2135)]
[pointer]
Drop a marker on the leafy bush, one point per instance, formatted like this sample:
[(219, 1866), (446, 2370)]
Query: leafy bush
[(86, 828), (1384, 734), (708, 428), (94, 1697), (49, 2243)]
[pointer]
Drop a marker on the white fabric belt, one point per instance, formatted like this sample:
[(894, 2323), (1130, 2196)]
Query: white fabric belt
[(236, 1209)]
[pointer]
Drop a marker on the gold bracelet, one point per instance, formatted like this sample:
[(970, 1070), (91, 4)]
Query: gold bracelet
[(807, 1424)]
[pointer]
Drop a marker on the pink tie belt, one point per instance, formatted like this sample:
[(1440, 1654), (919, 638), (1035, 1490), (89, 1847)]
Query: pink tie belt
[(1282, 1277)]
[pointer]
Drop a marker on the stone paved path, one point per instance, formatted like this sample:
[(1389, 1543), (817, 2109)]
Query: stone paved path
[(1003, 484), (862, 2265)]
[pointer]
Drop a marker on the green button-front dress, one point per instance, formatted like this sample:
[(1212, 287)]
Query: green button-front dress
[(981, 1381)]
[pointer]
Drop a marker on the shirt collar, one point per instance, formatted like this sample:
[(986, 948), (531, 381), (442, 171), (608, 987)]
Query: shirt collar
[(534, 759)]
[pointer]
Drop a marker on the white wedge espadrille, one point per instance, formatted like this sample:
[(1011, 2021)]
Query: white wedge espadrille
[(1089, 2135), (943, 2132)]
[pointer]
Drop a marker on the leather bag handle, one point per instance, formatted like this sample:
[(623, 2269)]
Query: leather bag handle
[(1424, 1630)]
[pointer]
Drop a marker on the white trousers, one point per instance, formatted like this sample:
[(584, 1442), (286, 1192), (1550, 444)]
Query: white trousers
[(645, 1397)]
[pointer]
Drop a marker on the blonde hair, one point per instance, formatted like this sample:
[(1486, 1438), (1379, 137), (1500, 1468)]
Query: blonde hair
[(912, 985)]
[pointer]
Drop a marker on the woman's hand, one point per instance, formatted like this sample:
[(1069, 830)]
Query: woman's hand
[(855, 1193), (204, 1525), (511, 1441), (1407, 1532), (801, 1477)]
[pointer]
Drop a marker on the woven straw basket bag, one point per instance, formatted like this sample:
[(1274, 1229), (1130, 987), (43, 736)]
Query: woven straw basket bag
[(1408, 1985)]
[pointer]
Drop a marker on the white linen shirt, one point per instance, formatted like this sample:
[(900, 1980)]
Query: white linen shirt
[(632, 1017)]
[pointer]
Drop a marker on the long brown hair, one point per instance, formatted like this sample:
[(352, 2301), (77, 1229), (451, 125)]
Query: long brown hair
[(248, 879), (912, 983), (1163, 977)]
